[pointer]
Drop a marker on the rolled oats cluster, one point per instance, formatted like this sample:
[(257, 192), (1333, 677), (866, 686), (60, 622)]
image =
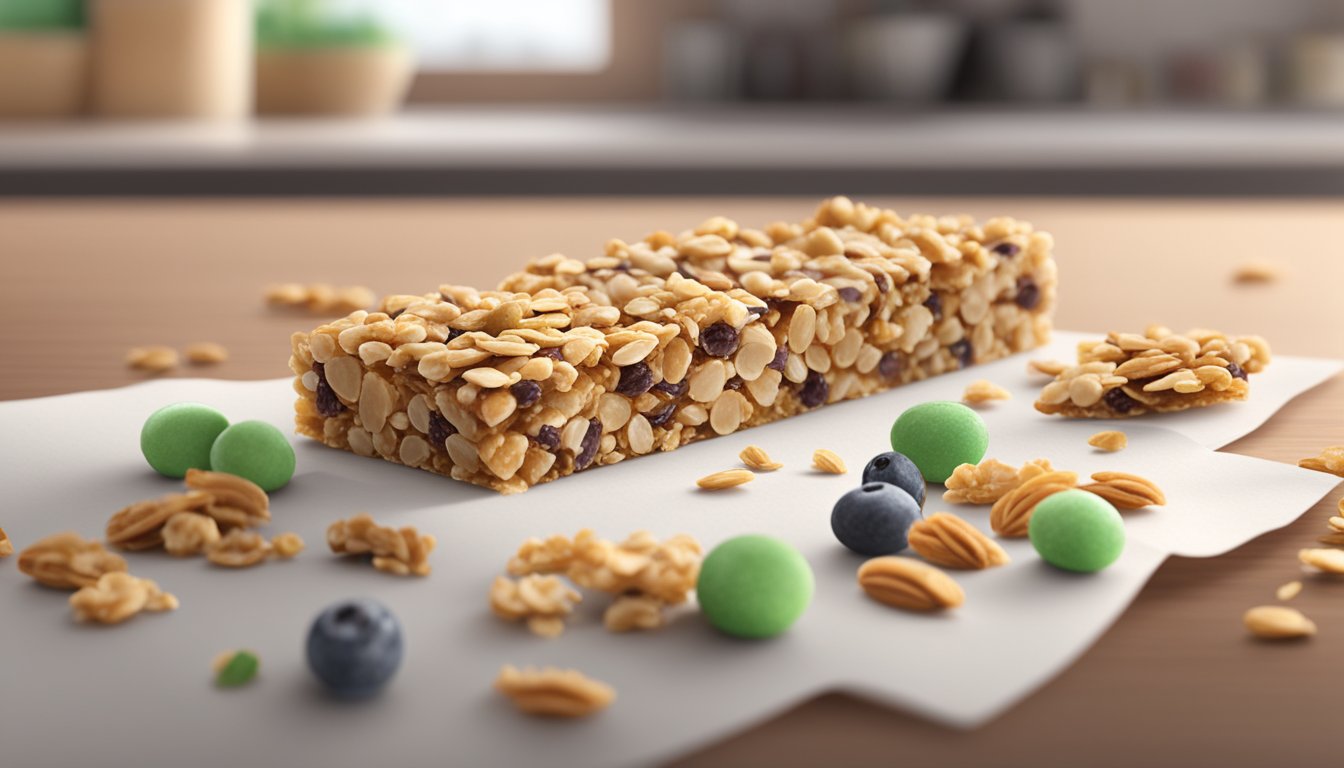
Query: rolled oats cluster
[(1130, 374), (654, 344), (404, 552)]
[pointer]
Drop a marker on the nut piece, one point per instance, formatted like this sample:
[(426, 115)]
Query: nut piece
[(403, 552), (551, 692), (828, 461), (1327, 560), (239, 548), (909, 584), (206, 353), (1278, 622), (1331, 460), (118, 596), (988, 481), (1050, 368), (189, 533), (640, 565), (320, 298), (1288, 591), (1126, 491), (286, 545), (755, 457), (6, 546), (67, 561), (543, 601), (728, 478), (634, 612), (236, 501), (154, 359), (949, 541), (140, 526), (983, 391), (1111, 440), (1255, 272), (1010, 515)]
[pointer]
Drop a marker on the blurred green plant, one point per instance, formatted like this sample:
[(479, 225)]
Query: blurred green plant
[(38, 15), (314, 24)]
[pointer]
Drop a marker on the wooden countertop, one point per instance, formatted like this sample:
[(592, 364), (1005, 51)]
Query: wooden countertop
[(1175, 682)]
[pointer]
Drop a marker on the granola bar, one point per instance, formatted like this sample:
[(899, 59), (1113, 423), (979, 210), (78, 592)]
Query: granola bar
[(1130, 374), (676, 338)]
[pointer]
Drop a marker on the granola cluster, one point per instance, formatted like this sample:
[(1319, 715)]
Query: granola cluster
[(69, 561), (1158, 371), (668, 340), (117, 596), (404, 551)]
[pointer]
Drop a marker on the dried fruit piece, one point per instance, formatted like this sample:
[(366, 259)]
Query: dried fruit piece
[(1288, 591), (828, 461), (1111, 440), (551, 692), (909, 584), (1331, 460), (984, 391), (68, 561), (948, 540), (118, 596), (728, 478), (1327, 560), (235, 668), (1278, 622), (1126, 491), (757, 459), (1010, 515)]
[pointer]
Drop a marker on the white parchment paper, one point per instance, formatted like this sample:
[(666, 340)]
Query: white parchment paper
[(140, 694)]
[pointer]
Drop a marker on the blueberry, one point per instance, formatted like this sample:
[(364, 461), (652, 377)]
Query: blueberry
[(355, 647), (895, 469), (874, 519)]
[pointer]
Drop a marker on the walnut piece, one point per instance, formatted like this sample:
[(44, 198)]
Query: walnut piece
[(68, 561), (403, 552), (551, 692), (236, 501), (140, 526), (118, 596)]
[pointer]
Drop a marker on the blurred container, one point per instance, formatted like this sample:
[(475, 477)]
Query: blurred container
[(348, 81), (1031, 60), (1115, 83), (1243, 75), (42, 73), (173, 58), (1315, 68), (701, 62), (908, 58)]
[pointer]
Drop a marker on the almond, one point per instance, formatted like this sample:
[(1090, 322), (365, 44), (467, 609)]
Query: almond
[(949, 541), (909, 584)]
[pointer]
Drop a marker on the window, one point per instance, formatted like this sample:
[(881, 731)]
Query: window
[(503, 35)]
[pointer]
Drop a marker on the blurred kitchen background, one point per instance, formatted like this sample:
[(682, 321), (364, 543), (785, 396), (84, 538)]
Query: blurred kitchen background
[(634, 97)]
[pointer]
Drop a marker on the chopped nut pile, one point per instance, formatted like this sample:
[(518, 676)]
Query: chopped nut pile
[(403, 552), (988, 481)]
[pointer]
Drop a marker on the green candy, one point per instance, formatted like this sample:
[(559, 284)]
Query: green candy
[(239, 669), (178, 437), (754, 586), (1077, 531), (256, 451), (940, 436)]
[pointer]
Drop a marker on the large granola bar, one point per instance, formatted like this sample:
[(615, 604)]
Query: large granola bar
[(676, 338)]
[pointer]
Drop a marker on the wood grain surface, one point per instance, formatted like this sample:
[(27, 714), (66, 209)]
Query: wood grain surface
[(1176, 682)]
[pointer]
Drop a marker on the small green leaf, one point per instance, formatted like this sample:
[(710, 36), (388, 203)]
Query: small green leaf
[(238, 670)]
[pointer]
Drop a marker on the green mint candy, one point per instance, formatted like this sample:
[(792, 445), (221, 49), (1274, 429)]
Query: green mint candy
[(1077, 531), (940, 436)]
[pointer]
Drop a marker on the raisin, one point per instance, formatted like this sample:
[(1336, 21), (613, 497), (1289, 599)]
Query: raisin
[(734, 383), (882, 285), (393, 315), (719, 340), (555, 353), (935, 305), (673, 390), (453, 333), (526, 393), (781, 357), (1028, 293), (1120, 402), (660, 416), (328, 404), (963, 352), (1237, 371), (548, 437), (761, 257), (1006, 249), (440, 429), (814, 390), (635, 380), (588, 448), (890, 365), (850, 293), (757, 311), (624, 266)]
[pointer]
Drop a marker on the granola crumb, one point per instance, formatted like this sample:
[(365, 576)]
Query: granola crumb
[(1256, 271), (984, 391), (542, 602), (286, 545), (403, 551), (828, 461), (152, 359), (1288, 591), (1051, 368), (6, 546), (1331, 460), (118, 596), (206, 353), (1109, 441), (551, 692)]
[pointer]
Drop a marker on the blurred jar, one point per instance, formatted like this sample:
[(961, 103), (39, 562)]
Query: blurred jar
[(701, 62), (1031, 60), (905, 57), (173, 58), (1315, 65)]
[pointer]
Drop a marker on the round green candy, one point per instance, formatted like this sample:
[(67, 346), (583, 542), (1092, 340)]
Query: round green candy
[(1077, 531), (254, 450), (754, 586), (178, 437), (939, 437)]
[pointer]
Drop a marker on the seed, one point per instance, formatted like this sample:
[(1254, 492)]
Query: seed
[(828, 461), (756, 458), (639, 433), (983, 391), (1109, 440), (487, 378), (614, 411), (1277, 622), (802, 328), (635, 351), (728, 478), (344, 374)]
